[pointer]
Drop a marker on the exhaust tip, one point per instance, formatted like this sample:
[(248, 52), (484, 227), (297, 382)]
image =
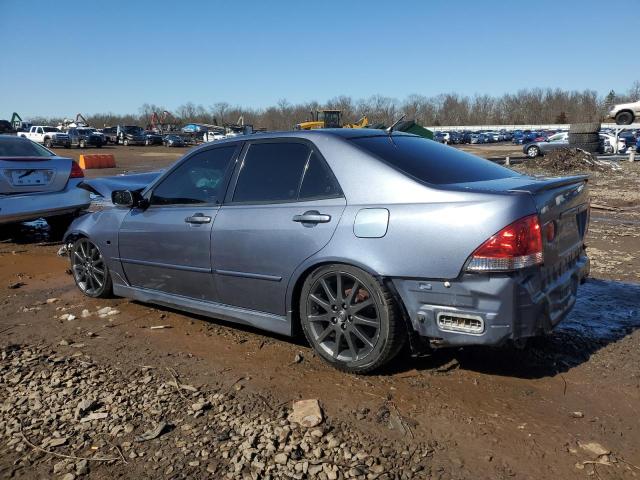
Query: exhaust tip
[(460, 323)]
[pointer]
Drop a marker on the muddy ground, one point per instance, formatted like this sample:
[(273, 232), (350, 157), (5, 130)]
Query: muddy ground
[(566, 407)]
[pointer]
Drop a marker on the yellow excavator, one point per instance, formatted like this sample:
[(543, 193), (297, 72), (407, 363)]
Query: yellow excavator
[(330, 119)]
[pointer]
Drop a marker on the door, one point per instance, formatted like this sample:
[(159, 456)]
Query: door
[(283, 207), (166, 246)]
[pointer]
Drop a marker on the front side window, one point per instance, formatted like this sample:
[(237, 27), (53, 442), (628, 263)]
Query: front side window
[(271, 172), (199, 180)]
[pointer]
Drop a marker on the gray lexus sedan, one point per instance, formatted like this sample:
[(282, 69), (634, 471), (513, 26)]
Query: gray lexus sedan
[(365, 240), (36, 183)]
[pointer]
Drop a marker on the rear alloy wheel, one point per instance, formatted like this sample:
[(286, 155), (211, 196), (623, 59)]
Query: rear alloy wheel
[(533, 151), (90, 270), (350, 319)]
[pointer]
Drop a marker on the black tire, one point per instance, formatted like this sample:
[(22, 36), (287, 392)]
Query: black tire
[(347, 318), (82, 143), (624, 118), (47, 142), (67, 145), (592, 147), (583, 138), (533, 151), (58, 225), (593, 127), (86, 260)]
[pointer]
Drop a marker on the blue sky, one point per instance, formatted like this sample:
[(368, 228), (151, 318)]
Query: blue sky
[(63, 57)]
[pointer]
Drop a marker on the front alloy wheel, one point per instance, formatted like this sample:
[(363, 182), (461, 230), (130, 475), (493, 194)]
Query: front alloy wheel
[(90, 271), (350, 318)]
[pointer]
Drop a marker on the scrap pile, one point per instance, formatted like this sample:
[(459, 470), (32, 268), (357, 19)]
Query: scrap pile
[(572, 159)]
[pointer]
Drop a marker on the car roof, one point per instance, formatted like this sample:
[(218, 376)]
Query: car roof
[(315, 134)]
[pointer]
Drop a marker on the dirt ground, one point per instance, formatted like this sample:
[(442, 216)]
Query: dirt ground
[(566, 407)]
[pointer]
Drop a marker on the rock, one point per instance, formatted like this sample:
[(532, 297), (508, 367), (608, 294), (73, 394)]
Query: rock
[(51, 300), (85, 313), (199, 406), (298, 358), (68, 476), (306, 413), (64, 342), (82, 467), (94, 416), (84, 406), (104, 311), (60, 466), (314, 470), (153, 433), (15, 285), (577, 414), (211, 468), (281, 458), (594, 448), (56, 442)]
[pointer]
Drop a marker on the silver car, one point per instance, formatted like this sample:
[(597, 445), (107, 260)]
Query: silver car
[(36, 183), (364, 240)]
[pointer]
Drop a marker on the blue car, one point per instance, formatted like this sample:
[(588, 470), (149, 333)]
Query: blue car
[(365, 240)]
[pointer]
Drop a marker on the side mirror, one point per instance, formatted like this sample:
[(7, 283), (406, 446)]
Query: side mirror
[(123, 198)]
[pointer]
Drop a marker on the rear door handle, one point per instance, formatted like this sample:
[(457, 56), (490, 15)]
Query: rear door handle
[(312, 216), (198, 218)]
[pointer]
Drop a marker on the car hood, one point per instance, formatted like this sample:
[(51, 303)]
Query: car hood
[(621, 106), (105, 185)]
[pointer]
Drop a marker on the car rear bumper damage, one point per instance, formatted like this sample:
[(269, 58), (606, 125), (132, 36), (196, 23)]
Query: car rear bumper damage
[(24, 207), (493, 309)]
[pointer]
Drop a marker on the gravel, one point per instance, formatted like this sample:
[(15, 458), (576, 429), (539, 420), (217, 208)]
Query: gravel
[(66, 416)]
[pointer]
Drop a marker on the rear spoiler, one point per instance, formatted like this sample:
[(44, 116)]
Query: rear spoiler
[(105, 185), (550, 183)]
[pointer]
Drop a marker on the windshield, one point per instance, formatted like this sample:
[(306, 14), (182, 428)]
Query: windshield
[(431, 162), (19, 147)]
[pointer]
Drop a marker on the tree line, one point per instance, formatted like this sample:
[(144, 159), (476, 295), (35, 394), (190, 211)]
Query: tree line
[(527, 106)]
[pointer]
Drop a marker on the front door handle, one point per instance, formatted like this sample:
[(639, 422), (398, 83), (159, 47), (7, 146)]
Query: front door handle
[(198, 218), (312, 216)]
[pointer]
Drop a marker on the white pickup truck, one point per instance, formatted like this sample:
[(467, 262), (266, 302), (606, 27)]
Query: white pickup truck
[(49, 136)]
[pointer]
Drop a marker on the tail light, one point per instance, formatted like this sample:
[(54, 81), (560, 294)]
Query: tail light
[(76, 171), (516, 246)]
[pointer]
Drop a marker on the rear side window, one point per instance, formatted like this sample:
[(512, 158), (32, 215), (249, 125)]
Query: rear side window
[(318, 181), (430, 161), (198, 180), (271, 172)]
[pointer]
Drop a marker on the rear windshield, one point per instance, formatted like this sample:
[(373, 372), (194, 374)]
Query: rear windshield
[(17, 147), (431, 162)]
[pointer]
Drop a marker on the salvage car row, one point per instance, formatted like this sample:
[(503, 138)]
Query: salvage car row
[(83, 137)]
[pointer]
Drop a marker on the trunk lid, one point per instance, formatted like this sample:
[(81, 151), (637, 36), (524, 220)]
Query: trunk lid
[(20, 175)]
